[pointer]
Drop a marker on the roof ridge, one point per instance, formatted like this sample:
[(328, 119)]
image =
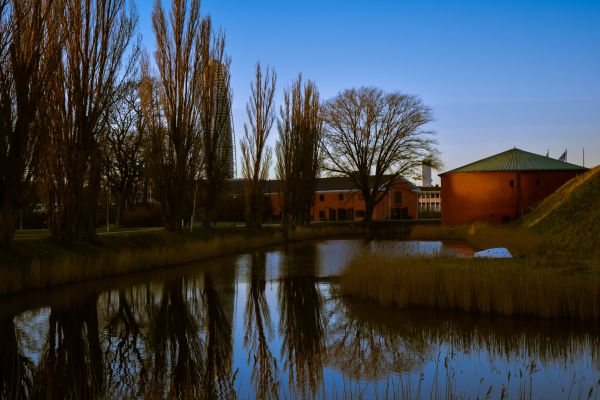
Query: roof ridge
[(516, 159)]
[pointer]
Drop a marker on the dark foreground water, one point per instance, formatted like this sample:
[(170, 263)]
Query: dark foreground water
[(271, 324)]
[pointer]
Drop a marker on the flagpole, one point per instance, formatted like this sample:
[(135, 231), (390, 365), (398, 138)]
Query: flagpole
[(584, 156)]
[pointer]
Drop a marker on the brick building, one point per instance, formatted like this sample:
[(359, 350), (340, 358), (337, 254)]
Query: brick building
[(336, 199), (502, 187)]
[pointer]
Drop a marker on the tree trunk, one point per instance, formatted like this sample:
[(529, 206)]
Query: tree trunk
[(369, 209)]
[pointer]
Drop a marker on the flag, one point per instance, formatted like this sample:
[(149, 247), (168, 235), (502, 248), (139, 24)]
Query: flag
[(563, 157)]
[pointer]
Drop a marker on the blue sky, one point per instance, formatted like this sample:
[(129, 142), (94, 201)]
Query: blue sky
[(497, 74)]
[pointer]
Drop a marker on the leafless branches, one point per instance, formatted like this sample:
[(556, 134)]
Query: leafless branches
[(98, 55), (215, 120), (122, 146), (177, 136), (299, 151), (374, 137), (256, 155), (28, 58)]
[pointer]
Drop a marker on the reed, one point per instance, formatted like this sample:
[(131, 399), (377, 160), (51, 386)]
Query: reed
[(528, 287)]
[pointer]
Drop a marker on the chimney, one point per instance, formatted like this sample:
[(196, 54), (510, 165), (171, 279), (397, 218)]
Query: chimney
[(426, 174)]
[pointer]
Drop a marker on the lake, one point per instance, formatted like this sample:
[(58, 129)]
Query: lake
[(271, 323)]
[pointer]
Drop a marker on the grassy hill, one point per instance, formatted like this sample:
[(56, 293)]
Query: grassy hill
[(570, 218)]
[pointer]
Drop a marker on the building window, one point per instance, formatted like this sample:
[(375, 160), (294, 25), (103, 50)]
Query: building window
[(360, 213), (398, 197), (321, 197), (537, 182), (341, 196), (511, 183), (322, 215)]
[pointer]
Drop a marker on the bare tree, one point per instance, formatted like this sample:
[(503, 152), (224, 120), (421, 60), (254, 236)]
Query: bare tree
[(299, 151), (215, 120), (122, 152), (98, 55), (256, 155), (176, 140), (374, 137), (28, 58)]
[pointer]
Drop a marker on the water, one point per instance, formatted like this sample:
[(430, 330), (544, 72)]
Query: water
[(272, 324)]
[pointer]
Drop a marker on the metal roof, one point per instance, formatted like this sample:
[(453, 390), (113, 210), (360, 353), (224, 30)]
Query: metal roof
[(517, 160)]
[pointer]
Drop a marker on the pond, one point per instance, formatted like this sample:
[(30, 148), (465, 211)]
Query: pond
[(271, 323)]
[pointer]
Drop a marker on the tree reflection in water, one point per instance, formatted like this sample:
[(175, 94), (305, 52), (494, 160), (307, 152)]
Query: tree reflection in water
[(174, 347), (259, 330), (301, 320), (370, 349), (171, 336), (71, 365), (15, 368), (218, 379), (126, 375)]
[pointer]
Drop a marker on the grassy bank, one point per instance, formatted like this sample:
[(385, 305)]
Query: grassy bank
[(35, 264), (526, 286)]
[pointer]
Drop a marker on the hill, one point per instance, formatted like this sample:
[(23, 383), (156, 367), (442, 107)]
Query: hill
[(570, 217)]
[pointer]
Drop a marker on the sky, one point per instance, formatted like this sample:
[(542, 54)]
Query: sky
[(497, 74)]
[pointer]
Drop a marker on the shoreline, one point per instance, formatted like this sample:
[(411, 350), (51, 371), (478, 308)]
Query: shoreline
[(40, 264)]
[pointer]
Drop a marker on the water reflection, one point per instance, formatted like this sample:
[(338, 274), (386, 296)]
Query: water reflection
[(72, 354), (259, 330), (15, 368), (271, 324), (301, 320)]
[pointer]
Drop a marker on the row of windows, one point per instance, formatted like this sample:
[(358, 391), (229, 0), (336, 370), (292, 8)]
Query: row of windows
[(430, 206), (428, 195), (340, 197)]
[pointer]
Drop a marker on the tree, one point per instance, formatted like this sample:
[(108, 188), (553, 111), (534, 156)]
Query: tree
[(175, 96), (256, 155), (373, 138), (28, 57), (98, 56), (299, 151), (122, 155), (215, 120)]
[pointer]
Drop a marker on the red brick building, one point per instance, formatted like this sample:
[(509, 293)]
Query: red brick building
[(336, 199), (502, 187)]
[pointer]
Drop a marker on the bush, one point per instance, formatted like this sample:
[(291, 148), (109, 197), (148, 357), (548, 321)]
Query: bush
[(142, 216)]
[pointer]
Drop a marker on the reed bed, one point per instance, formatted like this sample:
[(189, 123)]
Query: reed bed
[(506, 287)]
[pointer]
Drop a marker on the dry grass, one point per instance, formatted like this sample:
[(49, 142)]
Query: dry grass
[(569, 217), (519, 241), (42, 264), (506, 287)]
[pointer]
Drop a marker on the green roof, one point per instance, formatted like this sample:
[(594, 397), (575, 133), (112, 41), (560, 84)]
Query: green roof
[(517, 160)]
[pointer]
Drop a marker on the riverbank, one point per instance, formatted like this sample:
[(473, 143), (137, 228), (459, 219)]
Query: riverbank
[(41, 263), (533, 286)]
